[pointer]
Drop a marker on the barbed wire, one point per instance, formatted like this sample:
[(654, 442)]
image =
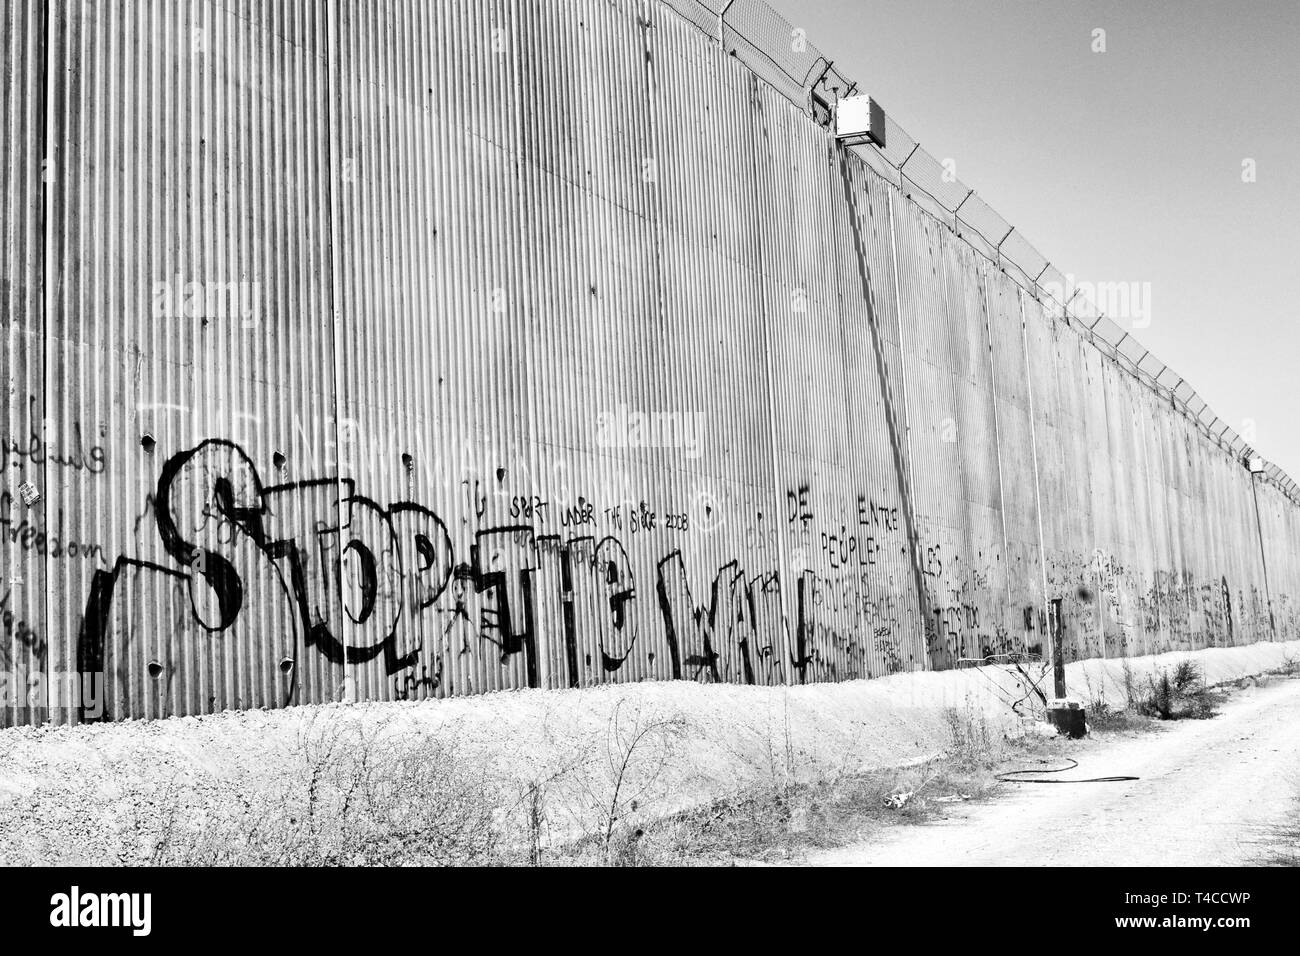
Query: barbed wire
[(783, 56)]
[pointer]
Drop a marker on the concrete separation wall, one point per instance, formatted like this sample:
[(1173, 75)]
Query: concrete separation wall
[(393, 351)]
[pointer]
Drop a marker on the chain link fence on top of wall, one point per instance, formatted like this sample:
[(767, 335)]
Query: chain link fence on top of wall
[(782, 55)]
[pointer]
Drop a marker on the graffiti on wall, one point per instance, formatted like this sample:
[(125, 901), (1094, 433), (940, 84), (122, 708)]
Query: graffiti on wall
[(315, 567), (313, 573)]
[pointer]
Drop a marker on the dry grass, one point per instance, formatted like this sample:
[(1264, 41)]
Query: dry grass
[(343, 797), (1284, 848), (1284, 839), (1281, 847), (1290, 667), (1103, 718), (350, 798), (618, 787), (783, 819), (1180, 693)]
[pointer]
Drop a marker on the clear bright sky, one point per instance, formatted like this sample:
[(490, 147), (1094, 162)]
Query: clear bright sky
[(1124, 165)]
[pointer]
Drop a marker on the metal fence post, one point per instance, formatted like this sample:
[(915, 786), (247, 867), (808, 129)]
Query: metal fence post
[(722, 16)]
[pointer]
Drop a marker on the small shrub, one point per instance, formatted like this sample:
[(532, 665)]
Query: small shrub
[(1158, 702), (1187, 675), (1290, 667), (1179, 695), (1130, 691)]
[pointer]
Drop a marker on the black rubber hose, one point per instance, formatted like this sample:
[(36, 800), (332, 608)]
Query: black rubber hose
[(1014, 776)]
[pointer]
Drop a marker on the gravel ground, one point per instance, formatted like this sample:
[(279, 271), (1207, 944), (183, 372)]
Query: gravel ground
[(1211, 793)]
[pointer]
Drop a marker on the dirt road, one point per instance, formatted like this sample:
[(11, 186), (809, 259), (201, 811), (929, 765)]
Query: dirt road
[(1210, 792)]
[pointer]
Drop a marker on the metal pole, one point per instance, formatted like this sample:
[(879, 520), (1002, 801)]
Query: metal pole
[(722, 15), (1263, 559), (349, 693), (907, 487), (1058, 652), (997, 438), (1038, 491), (51, 282)]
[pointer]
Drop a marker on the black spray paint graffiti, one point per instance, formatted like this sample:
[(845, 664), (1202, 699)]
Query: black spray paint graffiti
[(307, 577), (312, 564), (325, 565), (30, 537), (40, 447), (15, 629)]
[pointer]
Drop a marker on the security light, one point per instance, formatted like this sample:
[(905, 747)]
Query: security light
[(860, 119)]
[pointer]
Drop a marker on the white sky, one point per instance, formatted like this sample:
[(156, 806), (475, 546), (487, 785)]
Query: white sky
[(1124, 165)]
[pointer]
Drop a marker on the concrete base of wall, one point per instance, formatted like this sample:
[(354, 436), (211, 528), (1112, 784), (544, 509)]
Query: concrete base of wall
[(706, 740)]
